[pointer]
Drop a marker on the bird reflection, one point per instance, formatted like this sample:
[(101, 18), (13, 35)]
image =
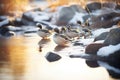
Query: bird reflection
[(59, 48), (112, 67), (43, 42)]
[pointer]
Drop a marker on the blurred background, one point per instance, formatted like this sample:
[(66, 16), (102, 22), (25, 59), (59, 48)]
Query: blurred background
[(10, 6)]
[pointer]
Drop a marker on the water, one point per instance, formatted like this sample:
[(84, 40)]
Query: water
[(22, 59)]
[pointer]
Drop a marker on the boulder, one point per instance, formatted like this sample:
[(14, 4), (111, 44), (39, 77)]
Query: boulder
[(102, 36), (62, 17), (117, 7), (91, 7), (32, 17), (111, 5), (104, 21), (113, 37), (93, 48), (51, 57)]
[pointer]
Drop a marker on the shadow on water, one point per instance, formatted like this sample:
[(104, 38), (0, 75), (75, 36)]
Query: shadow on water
[(112, 68), (59, 48)]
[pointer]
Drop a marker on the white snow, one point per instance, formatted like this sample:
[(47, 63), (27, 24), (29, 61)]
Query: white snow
[(109, 67), (86, 41), (102, 30), (4, 22), (107, 50), (77, 17), (38, 16)]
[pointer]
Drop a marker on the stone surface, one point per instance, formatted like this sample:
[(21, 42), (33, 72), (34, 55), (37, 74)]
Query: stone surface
[(113, 37), (102, 36), (65, 14), (51, 57), (93, 6), (93, 48)]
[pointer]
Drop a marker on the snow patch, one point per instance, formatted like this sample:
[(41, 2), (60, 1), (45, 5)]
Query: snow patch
[(77, 17), (107, 50), (102, 30)]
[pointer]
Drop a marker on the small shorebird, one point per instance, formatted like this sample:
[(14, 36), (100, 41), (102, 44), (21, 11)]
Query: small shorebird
[(44, 33), (60, 38), (71, 33)]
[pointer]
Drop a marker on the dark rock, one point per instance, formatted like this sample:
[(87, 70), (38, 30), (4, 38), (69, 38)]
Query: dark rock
[(78, 44), (111, 5), (113, 37), (16, 22), (104, 17), (102, 36), (117, 7), (104, 21), (93, 6), (92, 63), (51, 57), (93, 48), (64, 18), (3, 30)]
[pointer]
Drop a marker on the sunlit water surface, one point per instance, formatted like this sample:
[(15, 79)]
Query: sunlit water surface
[(21, 59)]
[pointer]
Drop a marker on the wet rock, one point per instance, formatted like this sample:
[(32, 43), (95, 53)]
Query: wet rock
[(102, 36), (62, 16), (93, 48), (51, 57), (113, 37), (91, 7), (92, 63)]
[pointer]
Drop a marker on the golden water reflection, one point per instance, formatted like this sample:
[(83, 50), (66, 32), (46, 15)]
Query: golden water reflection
[(20, 59)]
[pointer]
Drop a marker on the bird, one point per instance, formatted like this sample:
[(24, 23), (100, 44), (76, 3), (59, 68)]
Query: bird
[(72, 33), (42, 32), (60, 39)]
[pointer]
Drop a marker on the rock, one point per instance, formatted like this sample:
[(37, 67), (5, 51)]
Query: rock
[(117, 7), (113, 37), (62, 17), (111, 5), (16, 22), (91, 7), (93, 48), (102, 36), (104, 17), (92, 63), (27, 18), (51, 57), (3, 30), (104, 21), (31, 18)]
